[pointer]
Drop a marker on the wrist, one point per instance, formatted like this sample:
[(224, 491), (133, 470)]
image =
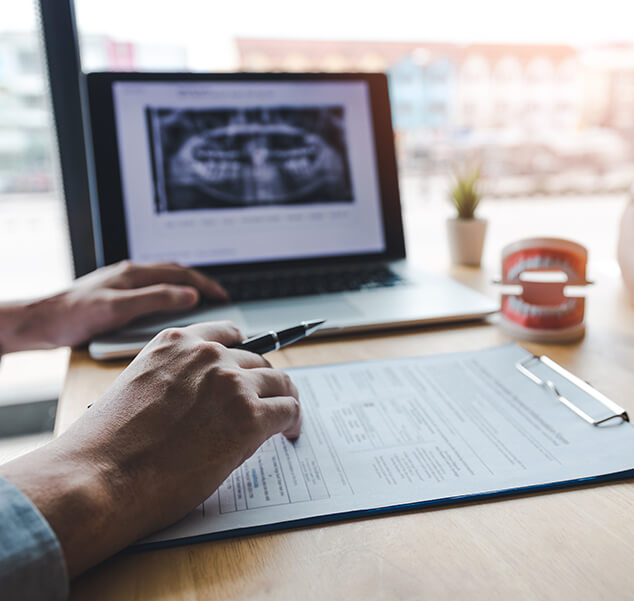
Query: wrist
[(76, 497), (29, 325)]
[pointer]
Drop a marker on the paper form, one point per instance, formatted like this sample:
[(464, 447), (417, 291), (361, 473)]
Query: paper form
[(401, 431)]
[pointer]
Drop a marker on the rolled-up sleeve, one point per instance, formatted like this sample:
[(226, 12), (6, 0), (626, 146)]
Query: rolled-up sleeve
[(32, 566)]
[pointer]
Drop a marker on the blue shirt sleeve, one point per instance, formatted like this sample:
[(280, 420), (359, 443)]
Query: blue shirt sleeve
[(32, 566)]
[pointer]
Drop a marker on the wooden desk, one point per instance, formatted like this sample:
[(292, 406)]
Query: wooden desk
[(577, 544)]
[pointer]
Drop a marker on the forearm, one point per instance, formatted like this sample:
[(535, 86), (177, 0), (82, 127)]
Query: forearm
[(89, 517), (28, 325)]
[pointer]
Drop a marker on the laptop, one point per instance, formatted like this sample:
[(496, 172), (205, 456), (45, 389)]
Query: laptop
[(283, 187)]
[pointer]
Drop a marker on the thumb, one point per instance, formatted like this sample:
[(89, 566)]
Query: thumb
[(130, 304)]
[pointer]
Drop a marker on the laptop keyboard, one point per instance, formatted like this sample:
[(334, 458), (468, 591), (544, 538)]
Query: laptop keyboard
[(314, 281)]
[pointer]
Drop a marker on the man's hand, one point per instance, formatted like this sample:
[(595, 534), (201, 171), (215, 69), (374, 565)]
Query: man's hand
[(184, 414), (104, 300)]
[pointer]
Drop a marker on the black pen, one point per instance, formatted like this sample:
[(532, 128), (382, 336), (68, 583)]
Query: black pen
[(271, 341)]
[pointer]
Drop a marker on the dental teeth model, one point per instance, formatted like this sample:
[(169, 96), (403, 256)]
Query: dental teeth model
[(536, 273)]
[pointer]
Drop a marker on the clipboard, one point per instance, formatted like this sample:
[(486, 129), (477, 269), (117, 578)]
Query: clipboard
[(550, 450), (524, 367)]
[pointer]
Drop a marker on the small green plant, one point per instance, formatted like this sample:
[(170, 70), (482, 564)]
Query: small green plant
[(464, 191)]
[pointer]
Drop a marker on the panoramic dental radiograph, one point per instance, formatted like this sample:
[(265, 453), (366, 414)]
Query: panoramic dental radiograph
[(255, 156), (537, 274)]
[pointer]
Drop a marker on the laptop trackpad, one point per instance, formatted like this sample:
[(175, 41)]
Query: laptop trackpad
[(280, 313)]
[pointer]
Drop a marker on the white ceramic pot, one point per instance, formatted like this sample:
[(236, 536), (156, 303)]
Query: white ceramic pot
[(626, 246), (466, 240)]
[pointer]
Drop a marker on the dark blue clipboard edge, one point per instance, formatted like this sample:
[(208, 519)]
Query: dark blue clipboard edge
[(390, 509)]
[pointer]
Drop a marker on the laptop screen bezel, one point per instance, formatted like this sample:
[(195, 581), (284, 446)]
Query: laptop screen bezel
[(108, 208)]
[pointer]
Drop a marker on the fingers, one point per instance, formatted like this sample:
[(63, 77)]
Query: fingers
[(138, 276), (272, 382), (130, 304), (281, 414), (224, 332), (248, 360), (228, 335), (278, 404), (270, 395)]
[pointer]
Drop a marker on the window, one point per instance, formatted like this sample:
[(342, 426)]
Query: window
[(28, 60), (33, 235), (438, 109), (540, 70), (34, 251), (492, 90), (330, 63)]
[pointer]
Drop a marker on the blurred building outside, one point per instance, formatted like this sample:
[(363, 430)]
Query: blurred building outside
[(541, 119), (25, 127), (25, 156)]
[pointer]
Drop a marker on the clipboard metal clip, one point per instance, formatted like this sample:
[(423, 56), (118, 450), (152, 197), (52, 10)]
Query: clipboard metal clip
[(618, 412)]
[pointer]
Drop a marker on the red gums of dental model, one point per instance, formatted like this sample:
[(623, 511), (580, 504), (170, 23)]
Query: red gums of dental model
[(543, 305)]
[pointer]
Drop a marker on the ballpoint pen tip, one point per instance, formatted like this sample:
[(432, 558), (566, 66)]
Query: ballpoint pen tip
[(313, 324)]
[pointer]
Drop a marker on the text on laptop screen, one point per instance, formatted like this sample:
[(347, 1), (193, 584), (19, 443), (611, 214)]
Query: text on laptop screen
[(231, 172)]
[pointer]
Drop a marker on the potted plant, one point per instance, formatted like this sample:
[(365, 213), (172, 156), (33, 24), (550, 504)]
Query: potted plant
[(466, 231)]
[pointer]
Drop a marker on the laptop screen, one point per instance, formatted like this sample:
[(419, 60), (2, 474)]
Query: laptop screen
[(220, 172)]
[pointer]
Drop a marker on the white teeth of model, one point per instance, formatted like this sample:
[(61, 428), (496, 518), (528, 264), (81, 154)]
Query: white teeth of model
[(515, 270), (525, 309), (519, 306), (541, 263), (566, 268), (522, 265)]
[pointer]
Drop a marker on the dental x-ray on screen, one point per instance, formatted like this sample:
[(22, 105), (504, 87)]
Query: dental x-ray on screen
[(245, 157)]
